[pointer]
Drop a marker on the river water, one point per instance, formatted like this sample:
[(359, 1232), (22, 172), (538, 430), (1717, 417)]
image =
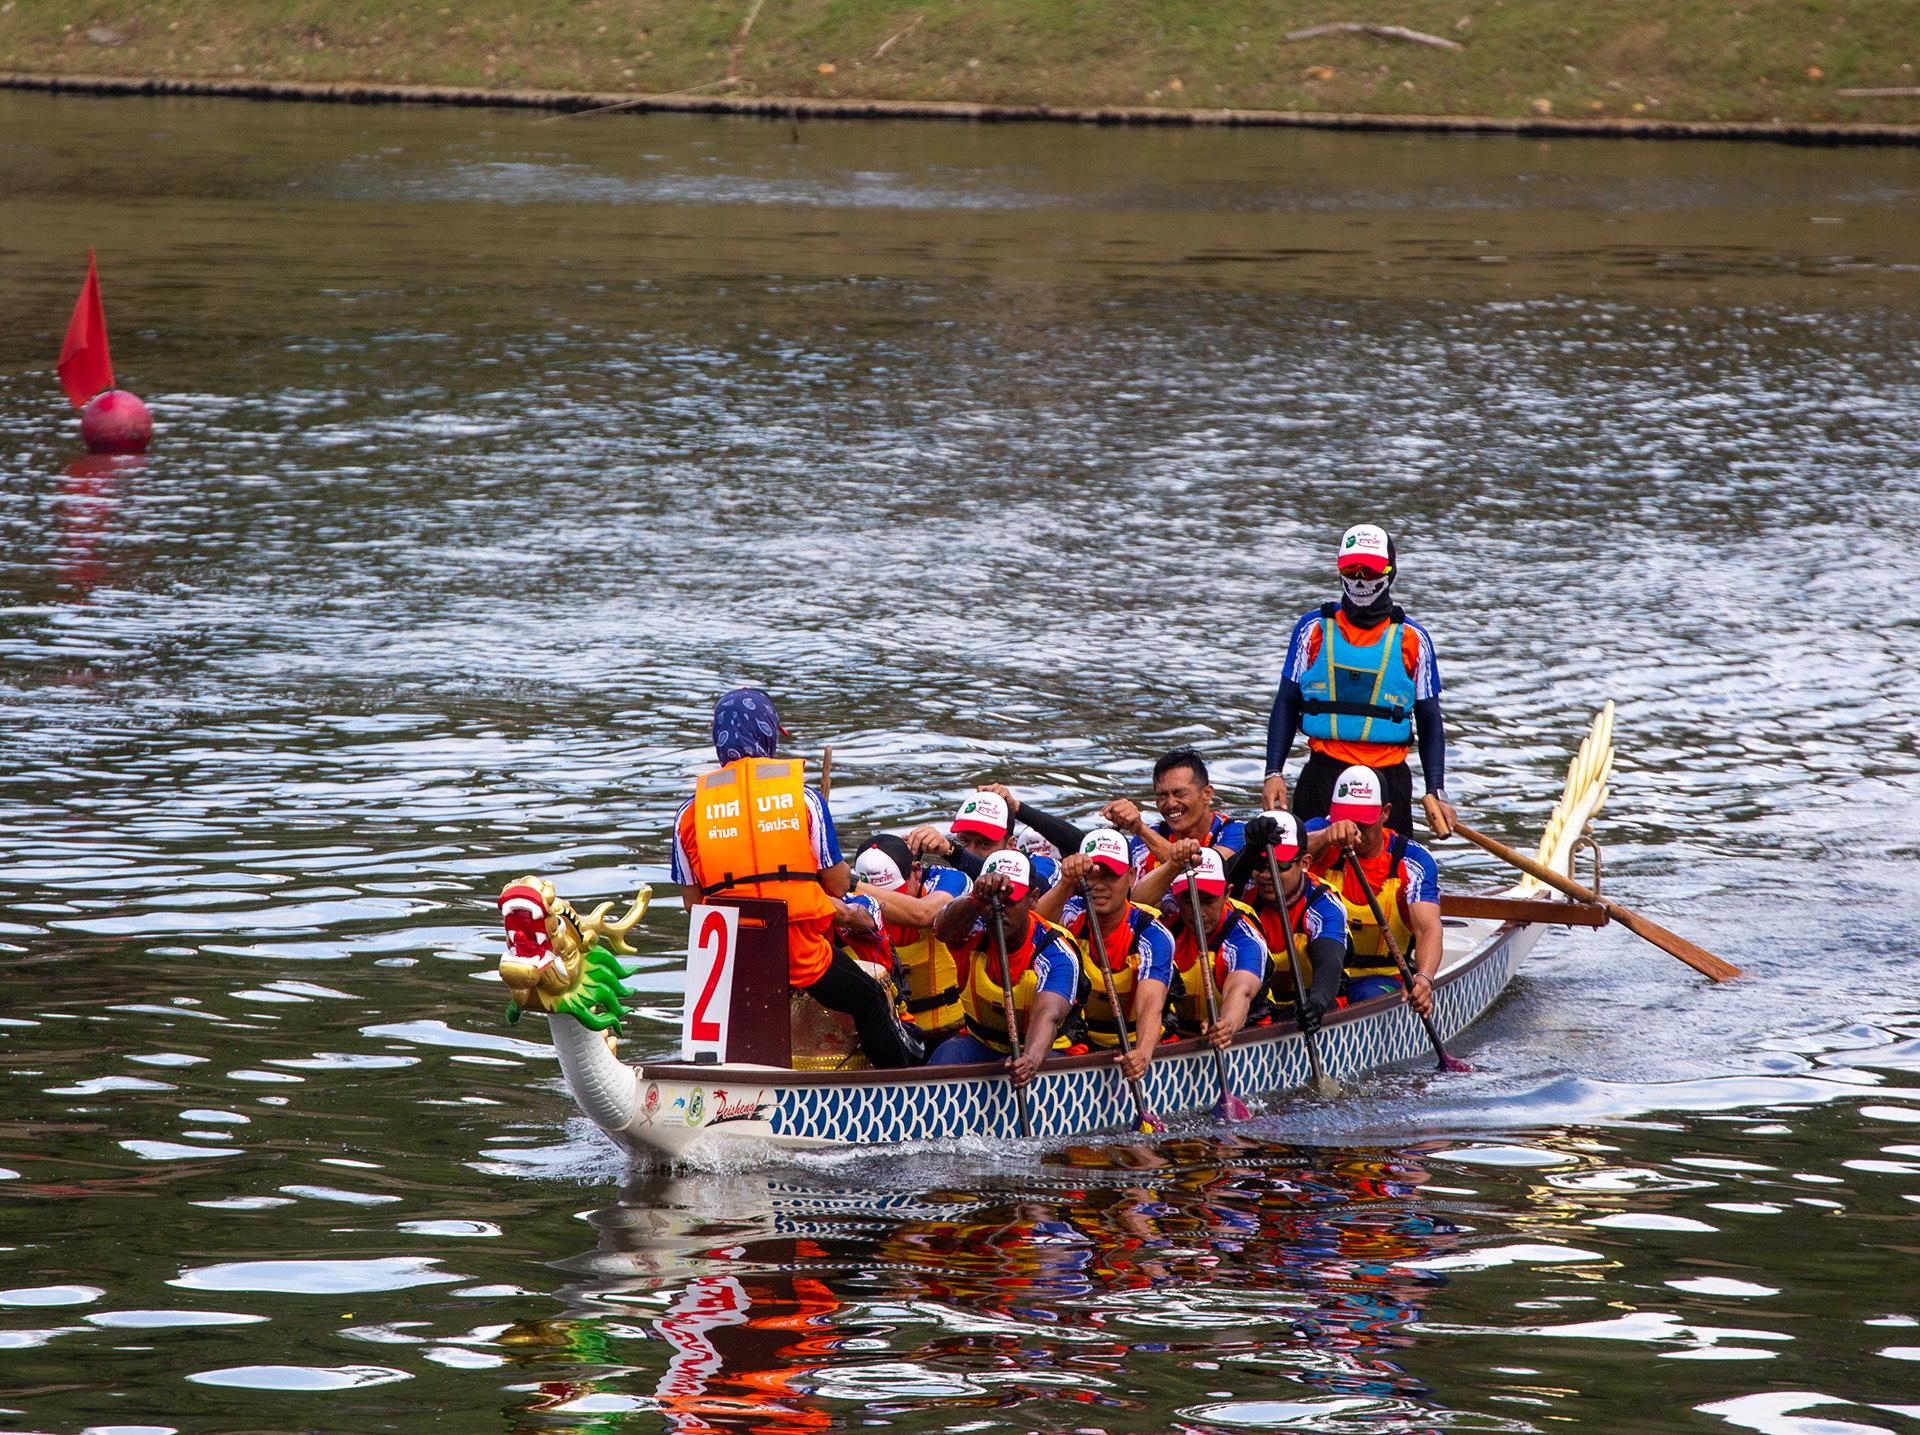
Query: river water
[(490, 450)]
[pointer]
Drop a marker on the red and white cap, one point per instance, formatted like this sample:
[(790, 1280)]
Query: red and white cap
[(1015, 867), (984, 813), (1287, 843), (1365, 546), (877, 869), (1208, 873), (1356, 796), (1108, 849)]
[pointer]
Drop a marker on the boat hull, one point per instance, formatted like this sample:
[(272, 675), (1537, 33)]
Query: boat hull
[(680, 1106)]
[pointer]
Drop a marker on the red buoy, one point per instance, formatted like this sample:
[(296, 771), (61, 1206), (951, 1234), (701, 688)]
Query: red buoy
[(116, 422)]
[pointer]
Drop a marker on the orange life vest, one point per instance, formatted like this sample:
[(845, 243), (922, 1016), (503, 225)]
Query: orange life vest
[(751, 838)]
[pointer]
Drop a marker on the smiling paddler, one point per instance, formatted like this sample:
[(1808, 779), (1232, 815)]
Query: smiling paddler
[(1043, 965), (1360, 679), (1184, 794), (755, 828)]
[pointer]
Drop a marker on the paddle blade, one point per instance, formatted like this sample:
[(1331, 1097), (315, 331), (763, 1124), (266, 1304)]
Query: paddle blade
[(1231, 1108), (1451, 1063), (1151, 1125), (1325, 1087)]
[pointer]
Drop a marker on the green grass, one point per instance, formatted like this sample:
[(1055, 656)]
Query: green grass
[(1760, 60)]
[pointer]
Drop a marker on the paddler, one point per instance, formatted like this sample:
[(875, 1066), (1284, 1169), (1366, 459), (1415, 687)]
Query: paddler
[(1184, 794), (982, 826), (1139, 948), (1234, 944), (1318, 918), (911, 897), (1043, 965), (1405, 882), (1360, 680), (755, 828)]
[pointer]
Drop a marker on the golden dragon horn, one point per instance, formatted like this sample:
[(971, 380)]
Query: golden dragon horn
[(616, 932)]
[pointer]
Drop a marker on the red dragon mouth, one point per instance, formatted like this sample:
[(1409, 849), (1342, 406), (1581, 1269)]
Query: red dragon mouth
[(523, 912)]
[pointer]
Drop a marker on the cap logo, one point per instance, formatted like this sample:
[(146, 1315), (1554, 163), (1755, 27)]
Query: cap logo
[(1352, 538)]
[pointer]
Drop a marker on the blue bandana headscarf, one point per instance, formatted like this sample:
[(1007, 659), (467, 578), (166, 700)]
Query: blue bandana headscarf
[(745, 725)]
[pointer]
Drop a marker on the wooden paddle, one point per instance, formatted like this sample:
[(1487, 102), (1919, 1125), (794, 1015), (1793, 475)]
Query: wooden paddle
[(826, 774), (1013, 1020), (1698, 958), (1321, 1085), (1143, 1119), (1442, 1061), (1229, 1107)]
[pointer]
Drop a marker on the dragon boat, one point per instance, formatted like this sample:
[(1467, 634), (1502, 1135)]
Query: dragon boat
[(566, 966)]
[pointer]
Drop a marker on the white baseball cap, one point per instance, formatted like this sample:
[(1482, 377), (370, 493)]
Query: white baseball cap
[(1364, 544), (877, 869), (1015, 867), (1109, 849), (1208, 873), (1356, 796), (984, 813), (1286, 843)]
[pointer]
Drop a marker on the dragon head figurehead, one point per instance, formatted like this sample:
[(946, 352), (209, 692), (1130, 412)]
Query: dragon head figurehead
[(558, 960)]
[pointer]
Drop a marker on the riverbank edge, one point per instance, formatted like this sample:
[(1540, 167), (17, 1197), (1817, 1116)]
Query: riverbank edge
[(795, 108)]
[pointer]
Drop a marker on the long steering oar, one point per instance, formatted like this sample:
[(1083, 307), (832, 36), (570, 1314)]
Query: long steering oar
[(1229, 1107), (1442, 1062), (1144, 1120), (1700, 959), (1321, 1084), (1013, 1020)]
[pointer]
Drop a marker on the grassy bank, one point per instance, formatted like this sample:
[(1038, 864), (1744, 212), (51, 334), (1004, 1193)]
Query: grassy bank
[(1682, 59)]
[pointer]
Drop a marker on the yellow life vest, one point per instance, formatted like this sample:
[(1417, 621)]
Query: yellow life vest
[(1367, 953), (983, 999), (933, 980), (1096, 1012), (1187, 1002)]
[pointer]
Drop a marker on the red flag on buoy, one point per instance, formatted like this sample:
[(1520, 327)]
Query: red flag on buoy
[(85, 366)]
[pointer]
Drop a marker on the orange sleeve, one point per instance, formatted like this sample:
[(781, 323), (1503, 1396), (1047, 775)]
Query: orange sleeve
[(1410, 650)]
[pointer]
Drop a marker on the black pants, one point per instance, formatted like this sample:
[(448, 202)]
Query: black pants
[(1313, 793), (843, 987)]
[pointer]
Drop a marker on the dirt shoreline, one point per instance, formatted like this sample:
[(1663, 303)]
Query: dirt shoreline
[(802, 107)]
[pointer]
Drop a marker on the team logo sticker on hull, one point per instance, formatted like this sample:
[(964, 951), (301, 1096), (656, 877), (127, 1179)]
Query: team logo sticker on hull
[(696, 1106)]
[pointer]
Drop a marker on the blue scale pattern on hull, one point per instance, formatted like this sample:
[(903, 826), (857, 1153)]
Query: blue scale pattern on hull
[(1069, 1102)]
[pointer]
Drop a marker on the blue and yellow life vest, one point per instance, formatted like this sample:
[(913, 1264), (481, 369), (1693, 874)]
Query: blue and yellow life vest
[(1355, 694)]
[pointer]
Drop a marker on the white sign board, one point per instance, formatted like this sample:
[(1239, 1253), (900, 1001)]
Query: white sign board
[(713, 936)]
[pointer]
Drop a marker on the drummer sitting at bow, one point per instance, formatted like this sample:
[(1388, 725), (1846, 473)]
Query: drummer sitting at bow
[(1405, 882), (1139, 949), (754, 828), (1042, 964)]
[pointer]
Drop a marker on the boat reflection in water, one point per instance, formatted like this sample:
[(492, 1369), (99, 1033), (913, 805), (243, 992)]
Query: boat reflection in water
[(1116, 1276)]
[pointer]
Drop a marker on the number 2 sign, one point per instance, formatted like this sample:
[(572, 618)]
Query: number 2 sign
[(712, 940)]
